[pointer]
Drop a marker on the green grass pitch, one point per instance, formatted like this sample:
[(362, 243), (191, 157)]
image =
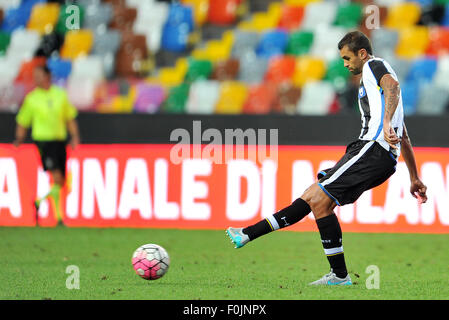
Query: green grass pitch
[(204, 265)]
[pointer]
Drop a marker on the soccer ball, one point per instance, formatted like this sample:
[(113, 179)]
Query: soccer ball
[(150, 261)]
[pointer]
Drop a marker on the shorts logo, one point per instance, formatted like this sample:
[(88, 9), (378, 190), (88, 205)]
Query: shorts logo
[(362, 92)]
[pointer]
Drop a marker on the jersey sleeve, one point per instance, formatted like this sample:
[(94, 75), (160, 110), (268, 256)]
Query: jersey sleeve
[(378, 69), (25, 114), (69, 110)]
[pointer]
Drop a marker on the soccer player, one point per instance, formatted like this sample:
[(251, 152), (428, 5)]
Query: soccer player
[(368, 162), (48, 111)]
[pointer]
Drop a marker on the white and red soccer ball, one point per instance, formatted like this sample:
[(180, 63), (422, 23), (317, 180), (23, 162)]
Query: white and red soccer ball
[(150, 261)]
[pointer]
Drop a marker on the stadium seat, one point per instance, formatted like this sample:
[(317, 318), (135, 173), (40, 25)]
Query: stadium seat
[(131, 54), (260, 98), (402, 15), (88, 67), (176, 30), (106, 42), (11, 96), (348, 15), (18, 16), (286, 99), (413, 42), (299, 43), (325, 42), (77, 43), (149, 98), (319, 14), (60, 69), (409, 91), (81, 92), (316, 99), (384, 41), (272, 43), (422, 70), (262, 21), (169, 77), (223, 12), (203, 96), (432, 99), (24, 44), (25, 75), (198, 70), (442, 73), (200, 10), (291, 17), (252, 68), (244, 41), (308, 69), (280, 69), (50, 44), (215, 50), (401, 67), (97, 16), (123, 19), (438, 41), (445, 21), (67, 18), (337, 74), (44, 17), (226, 70), (233, 95), (176, 99), (5, 38)]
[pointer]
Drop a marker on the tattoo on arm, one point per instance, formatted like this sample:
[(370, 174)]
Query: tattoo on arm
[(391, 93)]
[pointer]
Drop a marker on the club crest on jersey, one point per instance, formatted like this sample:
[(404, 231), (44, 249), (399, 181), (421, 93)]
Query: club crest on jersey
[(362, 92)]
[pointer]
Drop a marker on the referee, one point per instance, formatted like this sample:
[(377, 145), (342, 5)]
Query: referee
[(48, 111)]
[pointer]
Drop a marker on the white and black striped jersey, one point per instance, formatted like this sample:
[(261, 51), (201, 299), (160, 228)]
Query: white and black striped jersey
[(372, 103)]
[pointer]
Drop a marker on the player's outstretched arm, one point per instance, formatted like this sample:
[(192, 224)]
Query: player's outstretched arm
[(417, 187)]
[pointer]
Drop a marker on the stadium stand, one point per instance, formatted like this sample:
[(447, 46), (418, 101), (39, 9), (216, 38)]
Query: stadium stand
[(219, 56)]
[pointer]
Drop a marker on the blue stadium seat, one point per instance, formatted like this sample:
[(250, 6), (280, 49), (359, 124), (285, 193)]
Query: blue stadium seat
[(422, 70), (272, 43), (18, 17), (60, 69), (410, 93), (176, 30), (445, 21)]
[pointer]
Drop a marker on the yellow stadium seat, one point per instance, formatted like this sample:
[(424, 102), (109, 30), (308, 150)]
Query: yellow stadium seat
[(233, 95), (169, 77), (299, 2), (44, 17), (403, 15), (413, 42), (308, 69), (216, 50), (124, 104), (77, 43), (200, 10)]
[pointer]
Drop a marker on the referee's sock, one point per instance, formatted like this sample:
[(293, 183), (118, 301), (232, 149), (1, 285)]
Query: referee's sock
[(285, 217), (331, 238)]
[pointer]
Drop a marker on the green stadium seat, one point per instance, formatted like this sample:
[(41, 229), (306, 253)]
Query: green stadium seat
[(349, 15), (198, 70), (65, 16), (177, 98), (299, 42), (5, 38), (337, 74)]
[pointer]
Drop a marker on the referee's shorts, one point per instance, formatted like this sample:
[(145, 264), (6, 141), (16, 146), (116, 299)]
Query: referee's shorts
[(365, 165), (53, 155)]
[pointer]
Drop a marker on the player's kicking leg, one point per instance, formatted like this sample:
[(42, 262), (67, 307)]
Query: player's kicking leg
[(314, 199)]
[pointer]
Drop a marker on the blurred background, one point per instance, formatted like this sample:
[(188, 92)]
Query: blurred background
[(214, 57)]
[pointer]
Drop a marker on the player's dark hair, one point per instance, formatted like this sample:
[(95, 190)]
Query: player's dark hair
[(355, 41)]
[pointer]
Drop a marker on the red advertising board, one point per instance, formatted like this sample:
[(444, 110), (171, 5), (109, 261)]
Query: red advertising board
[(144, 186)]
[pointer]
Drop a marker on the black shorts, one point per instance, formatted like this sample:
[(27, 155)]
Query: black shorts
[(53, 155), (365, 165)]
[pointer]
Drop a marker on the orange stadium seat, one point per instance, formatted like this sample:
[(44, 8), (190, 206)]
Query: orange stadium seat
[(438, 41), (280, 69), (223, 12), (260, 98), (291, 17)]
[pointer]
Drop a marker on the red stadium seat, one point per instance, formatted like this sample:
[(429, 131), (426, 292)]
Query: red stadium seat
[(291, 17), (280, 69), (260, 98), (223, 12), (439, 42)]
